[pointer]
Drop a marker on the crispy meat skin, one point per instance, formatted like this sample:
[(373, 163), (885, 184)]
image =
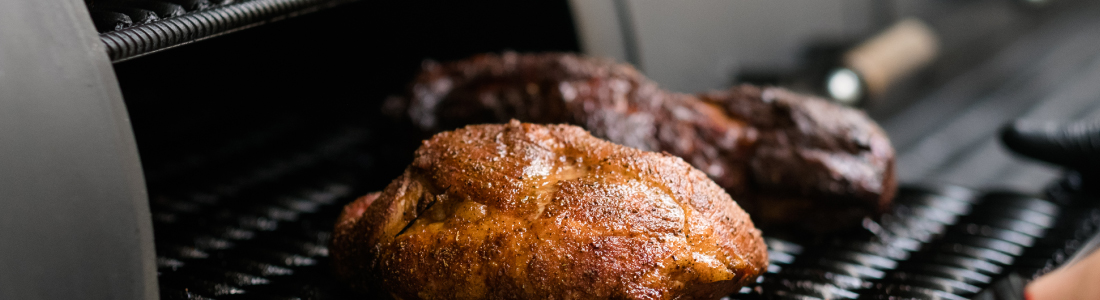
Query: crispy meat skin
[(787, 158), (524, 211)]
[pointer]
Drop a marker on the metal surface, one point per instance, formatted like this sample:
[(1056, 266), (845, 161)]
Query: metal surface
[(144, 39), (74, 217)]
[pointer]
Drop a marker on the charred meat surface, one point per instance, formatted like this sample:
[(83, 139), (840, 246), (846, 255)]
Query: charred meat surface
[(789, 159), (525, 211)]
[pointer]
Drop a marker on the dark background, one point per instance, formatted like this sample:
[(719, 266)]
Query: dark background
[(326, 69)]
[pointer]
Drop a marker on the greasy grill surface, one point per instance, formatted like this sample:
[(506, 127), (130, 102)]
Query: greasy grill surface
[(248, 226), (138, 27)]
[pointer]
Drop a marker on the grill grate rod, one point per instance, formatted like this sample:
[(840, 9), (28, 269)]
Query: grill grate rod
[(136, 41)]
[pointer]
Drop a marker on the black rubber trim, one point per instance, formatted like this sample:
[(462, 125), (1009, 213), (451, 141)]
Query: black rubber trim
[(164, 34)]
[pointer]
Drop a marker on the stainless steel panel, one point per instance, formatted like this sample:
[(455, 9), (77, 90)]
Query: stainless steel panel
[(74, 215)]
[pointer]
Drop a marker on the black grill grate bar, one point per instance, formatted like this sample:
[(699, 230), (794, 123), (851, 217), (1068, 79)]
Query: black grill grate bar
[(136, 41)]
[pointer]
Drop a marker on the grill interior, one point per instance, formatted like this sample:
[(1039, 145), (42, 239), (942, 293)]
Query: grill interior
[(252, 142), (236, 225)]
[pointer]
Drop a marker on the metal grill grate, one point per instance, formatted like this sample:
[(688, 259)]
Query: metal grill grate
[(140, 27), (261, 232), (258, 232), (938, 243)]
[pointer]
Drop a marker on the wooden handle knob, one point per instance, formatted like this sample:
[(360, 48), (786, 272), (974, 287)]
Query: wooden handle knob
[(898, 51)]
